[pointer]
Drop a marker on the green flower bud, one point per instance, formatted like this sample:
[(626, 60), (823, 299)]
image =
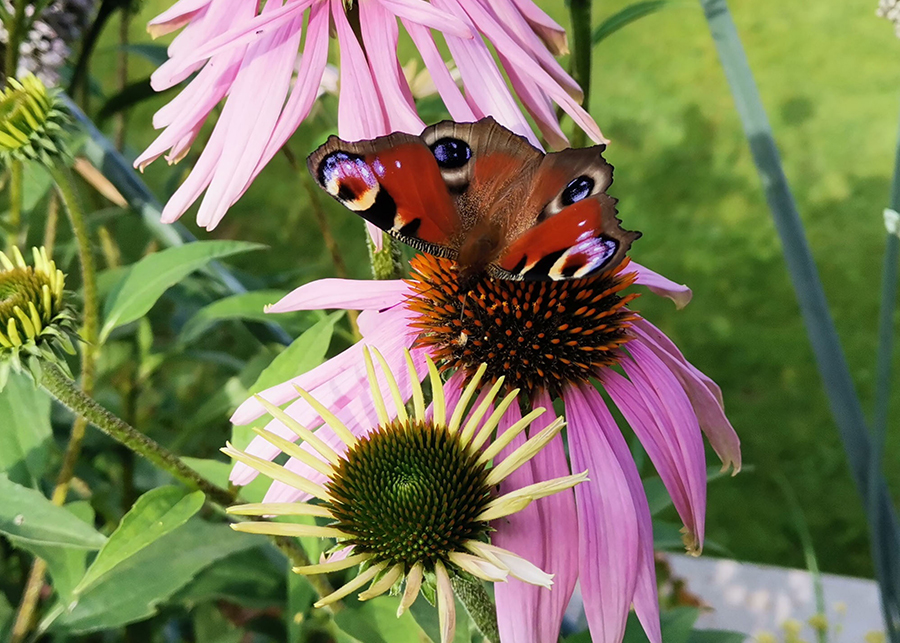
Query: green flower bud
[(31, 122), (35, 322)]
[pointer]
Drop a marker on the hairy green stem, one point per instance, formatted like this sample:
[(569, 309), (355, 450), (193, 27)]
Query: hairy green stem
[(16, 182), (385, 262), (580, 11), (479, 605), (66, 391)]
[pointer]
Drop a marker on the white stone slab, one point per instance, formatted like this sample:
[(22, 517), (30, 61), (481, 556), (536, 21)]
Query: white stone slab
[(760, 599)]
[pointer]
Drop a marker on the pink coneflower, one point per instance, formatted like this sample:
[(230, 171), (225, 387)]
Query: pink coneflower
[(546, 339), (415, 496), (249, 54)]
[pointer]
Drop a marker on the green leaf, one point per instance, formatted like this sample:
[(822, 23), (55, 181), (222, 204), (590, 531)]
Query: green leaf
[(155, 514), (716, 636), (300, 599), (26, 437), (211, 626), (676, 625), (156, 54), (629, 14), (146, 280), (66, 566), (248, 305), (426, 616), (304, 353), (6, 617), (376, 621), (246, 578), (28, 516), (134, 589), (36, 182), (132, 94)]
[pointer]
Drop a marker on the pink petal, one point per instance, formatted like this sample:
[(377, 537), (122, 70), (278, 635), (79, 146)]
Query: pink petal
[(608, 526), (380, 35), (538, 105), (679, 293), (485, 87), (250, 115), (360, 112), (509, 16), (506, 46), (426, 15), (175, 17), (677, 432), (350, 294), (549, 31), (715, 425), (646, 601), (453, 99), (545, 534)]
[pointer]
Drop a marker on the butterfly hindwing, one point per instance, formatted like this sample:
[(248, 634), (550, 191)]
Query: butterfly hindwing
[(573, 230), (394, 183)]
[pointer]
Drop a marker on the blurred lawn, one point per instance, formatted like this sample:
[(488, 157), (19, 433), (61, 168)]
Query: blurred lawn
[(828, 75)]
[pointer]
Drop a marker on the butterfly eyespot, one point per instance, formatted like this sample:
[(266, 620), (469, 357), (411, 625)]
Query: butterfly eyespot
[(577, 189), (451, 153)]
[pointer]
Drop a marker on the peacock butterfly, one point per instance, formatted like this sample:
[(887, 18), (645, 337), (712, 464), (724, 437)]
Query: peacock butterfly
[(483, 196)]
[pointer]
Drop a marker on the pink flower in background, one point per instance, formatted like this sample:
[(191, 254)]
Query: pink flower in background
[(550, 340), (248, 58)]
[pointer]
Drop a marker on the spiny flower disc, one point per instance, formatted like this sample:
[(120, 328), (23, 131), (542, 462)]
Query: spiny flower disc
[(409, 493), (540, 335)]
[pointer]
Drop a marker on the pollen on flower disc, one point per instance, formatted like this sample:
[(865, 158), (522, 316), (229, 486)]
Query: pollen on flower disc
[(409, 492), (539, 335)]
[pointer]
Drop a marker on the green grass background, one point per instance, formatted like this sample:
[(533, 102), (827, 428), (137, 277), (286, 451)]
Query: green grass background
[(829, 76)]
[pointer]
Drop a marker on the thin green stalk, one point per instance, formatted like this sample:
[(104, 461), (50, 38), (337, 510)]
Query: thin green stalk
[(16, 182), (845, 405), (479, 605), (385, 262), (582, 45), (68, 394), (11, 62)]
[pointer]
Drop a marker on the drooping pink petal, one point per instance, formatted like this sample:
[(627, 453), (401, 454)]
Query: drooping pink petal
[(545, 27), (249, 116), (451, 95), (338, 375), (505, 45), (511, 18), (678, 431), (425, 14), (538, 105), (360, 111), (247, 32), (608, 527), (715, 425), (679, 293), (175, 17), (350, 294), (669, 346), (486, 90), (544, 533), (646, 600), (380, 35)]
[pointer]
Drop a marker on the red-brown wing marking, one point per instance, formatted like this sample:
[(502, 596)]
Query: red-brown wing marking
[(393, 182), (580, 240)]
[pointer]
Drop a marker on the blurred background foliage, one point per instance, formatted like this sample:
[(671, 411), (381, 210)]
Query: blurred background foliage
[(828, 77)]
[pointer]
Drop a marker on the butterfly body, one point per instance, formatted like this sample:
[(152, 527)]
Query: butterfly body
[(483, 196)]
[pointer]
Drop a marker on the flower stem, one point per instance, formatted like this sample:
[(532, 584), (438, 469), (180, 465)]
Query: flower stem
[(479, 605), (580, 11), (385, 262), (14, 28), (16, 180), (69, 196), (65, 390)]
